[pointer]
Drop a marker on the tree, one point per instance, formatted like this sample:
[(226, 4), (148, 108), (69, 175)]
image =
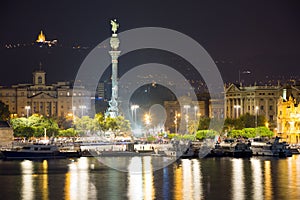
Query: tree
[(264, 132), (85, 125), (4, 112), (34, 126), (204, 123)]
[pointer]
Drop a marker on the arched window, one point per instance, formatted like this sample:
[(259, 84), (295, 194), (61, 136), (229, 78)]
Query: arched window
[(40, 80)]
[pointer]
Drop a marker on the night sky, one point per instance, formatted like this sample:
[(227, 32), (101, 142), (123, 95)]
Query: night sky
[(262, 37)]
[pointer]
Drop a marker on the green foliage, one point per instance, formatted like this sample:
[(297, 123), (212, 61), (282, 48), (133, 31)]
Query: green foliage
[(244, 121), (204, 123), (264, 132), (251, 132), (151, 138), (34, 126), (86, 124), (70, 132), (202, 134), (23, 131), (4, 111), (171, 135), (188, 137)]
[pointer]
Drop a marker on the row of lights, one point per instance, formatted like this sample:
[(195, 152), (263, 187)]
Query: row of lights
[(82, 107)]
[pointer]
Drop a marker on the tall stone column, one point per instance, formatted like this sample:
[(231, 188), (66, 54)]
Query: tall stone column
[(113, 109)]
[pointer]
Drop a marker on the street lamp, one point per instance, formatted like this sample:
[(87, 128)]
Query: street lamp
[(256, 112), (27, 108), (177, 115), (237, 110), (73, 112), (82, 107), (133, 111), (196, 110), (186, 107), (147, 119)]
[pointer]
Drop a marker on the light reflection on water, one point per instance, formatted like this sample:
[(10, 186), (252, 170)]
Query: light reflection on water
[(86, 178), (238, 179)]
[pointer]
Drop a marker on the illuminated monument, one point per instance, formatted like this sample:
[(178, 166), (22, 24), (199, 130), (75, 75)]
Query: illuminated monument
[(113, 110)]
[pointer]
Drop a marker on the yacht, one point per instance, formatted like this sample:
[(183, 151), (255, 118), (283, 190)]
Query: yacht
[(38, 152), (273, 147), (232, 147)]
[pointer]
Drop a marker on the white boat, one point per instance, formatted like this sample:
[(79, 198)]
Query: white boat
[(273, 147), (38, 152)]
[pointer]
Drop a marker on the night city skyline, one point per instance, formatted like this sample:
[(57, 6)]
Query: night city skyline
[(262, 38)]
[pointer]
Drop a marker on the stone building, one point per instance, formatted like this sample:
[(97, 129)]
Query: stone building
[(6, 134), (288, 120), (178, 116), (257, 100), (57, 99)]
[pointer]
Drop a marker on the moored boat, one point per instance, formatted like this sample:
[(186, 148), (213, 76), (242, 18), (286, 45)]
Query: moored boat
[(38, 152), (231, 147), (273, 147)]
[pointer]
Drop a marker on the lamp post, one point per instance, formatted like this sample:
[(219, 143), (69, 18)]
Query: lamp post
[(73, 112), (187, 107), (237, 110), (147, 120), (27, 108), (133, 111), (176, 120), (196, 110), (82, 107), (256, 112)]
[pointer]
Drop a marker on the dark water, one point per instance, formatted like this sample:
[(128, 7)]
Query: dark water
[(212, 178)]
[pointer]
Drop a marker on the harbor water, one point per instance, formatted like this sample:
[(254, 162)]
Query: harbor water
[(209, 178)]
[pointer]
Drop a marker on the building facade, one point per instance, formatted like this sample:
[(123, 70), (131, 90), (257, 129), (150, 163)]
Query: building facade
[(288, 120), (56, 100), (257, 100), (179, 116)]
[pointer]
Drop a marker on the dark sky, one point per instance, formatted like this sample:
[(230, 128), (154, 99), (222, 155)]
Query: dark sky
[(262, 37)]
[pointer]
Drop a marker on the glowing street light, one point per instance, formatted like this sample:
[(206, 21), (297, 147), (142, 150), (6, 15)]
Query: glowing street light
[(196, 110), (82, 107), (237, 110), (133, 111), (27, 108), (73, 112), (256, 112), (177, 115)]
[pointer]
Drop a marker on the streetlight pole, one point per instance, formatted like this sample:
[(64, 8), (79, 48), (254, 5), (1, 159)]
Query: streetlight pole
[(237, 110), (256, 111), (27, 108), (196, 110), (73, 112), (176, 121), (82, 107), (133, 111), (186, 107)]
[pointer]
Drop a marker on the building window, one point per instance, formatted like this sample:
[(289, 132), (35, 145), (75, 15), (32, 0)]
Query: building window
[(40, 80), (248, 108), (271, 118), (261, 107), (68, 93), (271, 108)]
